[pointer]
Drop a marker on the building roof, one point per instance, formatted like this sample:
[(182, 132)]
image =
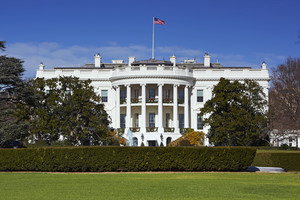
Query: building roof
[(152, 61)]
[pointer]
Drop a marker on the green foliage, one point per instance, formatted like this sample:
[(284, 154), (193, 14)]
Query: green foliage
[(290, 161), (65, 106), (192, 138), (11, 93), (99, 159), (237, 114)]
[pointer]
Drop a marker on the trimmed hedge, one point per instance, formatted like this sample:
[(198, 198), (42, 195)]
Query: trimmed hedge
[(290, 161), (107, 159)]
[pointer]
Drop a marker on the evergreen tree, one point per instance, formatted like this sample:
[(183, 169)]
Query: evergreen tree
[(67, 107), (11, 92), (237, 114)]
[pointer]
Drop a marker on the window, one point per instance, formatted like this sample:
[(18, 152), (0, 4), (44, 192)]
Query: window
[(134, 141), (152, 120), (168, 119), (104, 95), (136, 115), (168, 93), (169, 139), (122, 120), (152, 93), (181, 120), (199, 121), (181, 94), (136, 93), (123, 95), (199, 95)]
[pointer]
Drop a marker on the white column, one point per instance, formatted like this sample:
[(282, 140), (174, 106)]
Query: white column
[(160, 108), (175, 108), (128, 107), (117, 107), (143, 120), (186, 107)]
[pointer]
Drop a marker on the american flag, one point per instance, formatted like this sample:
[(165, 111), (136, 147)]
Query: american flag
[(158, 21)]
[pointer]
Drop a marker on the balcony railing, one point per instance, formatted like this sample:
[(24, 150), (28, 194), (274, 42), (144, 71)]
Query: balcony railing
[(135, 100), (135, 129), (122, 100), (169, 130), (183, 131), (180, 101), (168, 100), (152, 100), (151, 129)]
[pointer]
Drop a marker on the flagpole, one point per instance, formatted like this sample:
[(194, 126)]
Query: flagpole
[(153, 39)]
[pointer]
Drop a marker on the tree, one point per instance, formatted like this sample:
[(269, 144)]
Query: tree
[(192, 138), (237, 113), (11, 92), (285, 99), (65, 107)]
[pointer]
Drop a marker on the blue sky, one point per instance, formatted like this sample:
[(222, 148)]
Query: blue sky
[(69, 33)]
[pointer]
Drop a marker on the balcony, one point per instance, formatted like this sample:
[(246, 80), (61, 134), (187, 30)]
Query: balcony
[(136, 100), (135, 129), (122, 100), (151, 100), (180, 101), (170, 130), (167, 100), (151, 129)]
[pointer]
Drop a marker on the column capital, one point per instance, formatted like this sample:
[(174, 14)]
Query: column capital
[(176, 85), (143, 84), (160, 84), (127, 85)]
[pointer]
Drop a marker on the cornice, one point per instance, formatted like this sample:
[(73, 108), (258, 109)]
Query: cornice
[(152, 76), (235, 79)]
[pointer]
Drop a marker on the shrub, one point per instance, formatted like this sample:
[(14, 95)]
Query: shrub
[(290, 161), (100, 159), (192, 138)]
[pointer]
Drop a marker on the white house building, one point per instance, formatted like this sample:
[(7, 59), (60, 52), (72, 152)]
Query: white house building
[(156, 99)]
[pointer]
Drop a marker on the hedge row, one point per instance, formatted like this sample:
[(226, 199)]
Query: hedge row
[(290, 161), (107, 159)]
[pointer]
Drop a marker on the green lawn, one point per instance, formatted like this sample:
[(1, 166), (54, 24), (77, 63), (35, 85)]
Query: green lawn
[(41, 186)]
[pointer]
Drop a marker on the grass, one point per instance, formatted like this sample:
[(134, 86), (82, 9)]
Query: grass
[(276, 151), (60, 186)]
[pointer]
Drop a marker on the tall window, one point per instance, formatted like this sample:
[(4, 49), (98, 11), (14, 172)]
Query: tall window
[(151, 93), (104, 95), (168, 93), (136, 115), (134, 141), (181, 120), (181, 94), (169, 139), (199, 121), (168, 119), (123, 95), (122, 120), (199, 95), (136, 93), (151, 120)]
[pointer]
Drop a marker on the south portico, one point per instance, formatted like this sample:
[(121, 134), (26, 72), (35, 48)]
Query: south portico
[(156, 111)]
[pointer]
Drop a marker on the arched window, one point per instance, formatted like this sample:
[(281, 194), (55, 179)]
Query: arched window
[(169, 139), (135, 141)]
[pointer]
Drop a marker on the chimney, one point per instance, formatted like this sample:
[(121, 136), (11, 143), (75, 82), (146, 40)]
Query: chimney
[(131, 60), (263, 65), (97, 60), (206, 60), (173, 60), (41, 66)]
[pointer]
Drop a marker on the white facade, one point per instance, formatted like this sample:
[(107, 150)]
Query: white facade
[(156, 99)]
